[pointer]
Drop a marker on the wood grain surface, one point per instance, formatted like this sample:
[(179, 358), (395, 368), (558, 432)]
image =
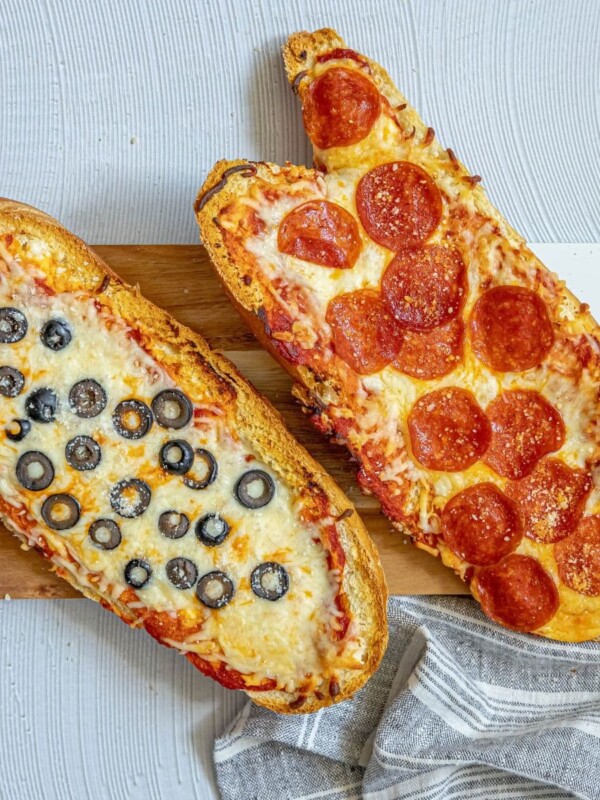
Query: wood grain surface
[(180, 279)]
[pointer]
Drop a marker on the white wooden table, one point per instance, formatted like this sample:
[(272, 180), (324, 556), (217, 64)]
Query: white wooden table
[(112, 114)]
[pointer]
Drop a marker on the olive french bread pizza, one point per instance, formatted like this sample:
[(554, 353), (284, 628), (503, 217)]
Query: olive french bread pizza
[(159, 483)]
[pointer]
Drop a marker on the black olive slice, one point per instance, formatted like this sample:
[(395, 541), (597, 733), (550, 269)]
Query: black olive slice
[(11, 381), (56, 334), (130, 498), (87, 398), (205, 470), (18, 429), (212, 529), (182, 573), (35, 471), (42, 405), (83, 453), (269, 581), (255, 489), (132, 419), (172, 409), (61, 511), (105, 534), (176, 456), (137, 573), (13, 325), (173, 525), (215, 589)]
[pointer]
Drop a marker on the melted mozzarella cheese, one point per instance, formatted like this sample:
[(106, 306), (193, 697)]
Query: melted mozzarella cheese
[(391, 394), (286, 639)]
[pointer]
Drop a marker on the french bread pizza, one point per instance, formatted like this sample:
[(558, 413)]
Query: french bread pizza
[(423, 333), (158, 482)]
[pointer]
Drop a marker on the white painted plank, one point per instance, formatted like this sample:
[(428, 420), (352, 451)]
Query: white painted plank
[(92, 709), (113, 112)]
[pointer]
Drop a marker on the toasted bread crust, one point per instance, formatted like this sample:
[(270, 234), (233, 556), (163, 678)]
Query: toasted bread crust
[(192, 363)]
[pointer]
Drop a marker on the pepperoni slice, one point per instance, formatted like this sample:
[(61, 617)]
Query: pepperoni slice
[(448, 430), (365, 335), (578, 557), (321, 232), (398, 204), (525, 427), (551, 500), (481, 525), (518, 593), (342, 52), (340, 107), (510, 329), (431, 354), (425, 287)]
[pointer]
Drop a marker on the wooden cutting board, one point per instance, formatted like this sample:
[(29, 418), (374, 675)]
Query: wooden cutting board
[(179, 278)]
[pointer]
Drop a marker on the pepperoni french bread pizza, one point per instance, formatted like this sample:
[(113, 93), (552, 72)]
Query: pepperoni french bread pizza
[(421, 330), (158, 482)]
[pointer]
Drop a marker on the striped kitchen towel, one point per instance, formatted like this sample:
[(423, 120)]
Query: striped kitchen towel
[(460, 708)]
